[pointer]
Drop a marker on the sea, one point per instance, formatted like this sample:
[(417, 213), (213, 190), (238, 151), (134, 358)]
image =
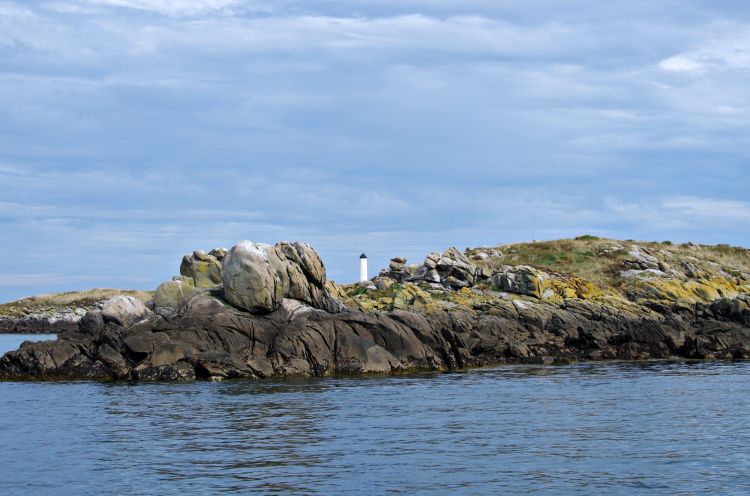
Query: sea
[(677, 428)]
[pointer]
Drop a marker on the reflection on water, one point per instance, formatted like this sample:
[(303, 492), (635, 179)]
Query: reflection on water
[(616, 428)]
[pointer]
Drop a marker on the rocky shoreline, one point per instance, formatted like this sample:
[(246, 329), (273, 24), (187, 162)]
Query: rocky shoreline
[(42, 324), (259, 311), (55, 313)]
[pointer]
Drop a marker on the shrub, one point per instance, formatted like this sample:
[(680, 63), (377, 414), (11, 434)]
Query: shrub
[(587, 237)]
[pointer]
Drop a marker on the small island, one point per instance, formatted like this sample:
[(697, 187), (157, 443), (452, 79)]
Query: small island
[(259, 311)]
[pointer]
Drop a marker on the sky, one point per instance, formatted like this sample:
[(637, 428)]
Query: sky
[(135, 131)]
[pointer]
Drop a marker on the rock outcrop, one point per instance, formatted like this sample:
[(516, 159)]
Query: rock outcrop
[(257, 277), (276, 314), (452, 269), (204, 269)]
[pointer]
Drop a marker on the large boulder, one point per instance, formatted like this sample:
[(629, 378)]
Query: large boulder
[(171, 295), (124, 310), (258, 276), (204, 268), (397, 264), (451, 269), (455, 270), (305, 256), (249, 280), (521, 279), (303, 276)]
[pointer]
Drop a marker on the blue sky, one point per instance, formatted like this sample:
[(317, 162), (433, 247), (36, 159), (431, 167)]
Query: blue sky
[(134, 131)]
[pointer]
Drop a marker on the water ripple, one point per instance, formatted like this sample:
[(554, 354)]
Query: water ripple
[(620, 428)]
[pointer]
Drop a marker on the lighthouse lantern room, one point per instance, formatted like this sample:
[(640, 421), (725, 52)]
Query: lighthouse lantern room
[(362, 267)]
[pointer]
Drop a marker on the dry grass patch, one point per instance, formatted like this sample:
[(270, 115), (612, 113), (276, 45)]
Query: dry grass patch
[(591, 258), (69, 300)]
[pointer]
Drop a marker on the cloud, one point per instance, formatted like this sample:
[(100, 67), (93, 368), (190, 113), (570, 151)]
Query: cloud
[(681, 63), (134, 131), (727, 47), (171, 7)]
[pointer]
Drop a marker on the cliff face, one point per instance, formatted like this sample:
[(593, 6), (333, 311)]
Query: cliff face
[(274, 313)]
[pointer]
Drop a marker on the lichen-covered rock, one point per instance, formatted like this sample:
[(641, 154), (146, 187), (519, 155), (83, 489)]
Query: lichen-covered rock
[(218, 253), (277, 314), (407, 296), (203, 268), (170, 297), (521, 279), (209, 340)]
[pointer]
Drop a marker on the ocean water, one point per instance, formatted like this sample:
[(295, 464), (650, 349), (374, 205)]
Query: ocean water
[(616, 428)]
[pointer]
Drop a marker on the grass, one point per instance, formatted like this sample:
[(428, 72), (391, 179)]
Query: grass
[(600, 260), (71, 299), (589, 257)]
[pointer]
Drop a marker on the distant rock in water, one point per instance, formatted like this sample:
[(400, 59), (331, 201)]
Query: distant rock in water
[(260, 310)]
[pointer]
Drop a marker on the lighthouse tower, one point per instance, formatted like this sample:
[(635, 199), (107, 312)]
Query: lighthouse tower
[(362, 267)]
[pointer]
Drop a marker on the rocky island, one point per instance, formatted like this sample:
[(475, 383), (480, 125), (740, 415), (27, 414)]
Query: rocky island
[(261, 310)]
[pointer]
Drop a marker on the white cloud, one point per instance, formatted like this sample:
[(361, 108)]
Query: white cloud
[(171, 7), (727, 47), (133, 131), (681, 63)]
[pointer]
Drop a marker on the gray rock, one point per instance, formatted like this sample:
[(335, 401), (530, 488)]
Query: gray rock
[(170, 296), (204, 269), (218, 253), (642, 274), (210, 339), (455, 269), (640, 260), (397, 264), (124, 311), (432, 260), (257, 276), (249, 280), (92, 322), (520, 279)]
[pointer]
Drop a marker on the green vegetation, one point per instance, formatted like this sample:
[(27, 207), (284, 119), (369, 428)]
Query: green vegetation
[(601, 261), (594, 259)]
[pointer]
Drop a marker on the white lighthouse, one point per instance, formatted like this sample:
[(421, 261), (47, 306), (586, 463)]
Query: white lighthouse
[(362, 267)]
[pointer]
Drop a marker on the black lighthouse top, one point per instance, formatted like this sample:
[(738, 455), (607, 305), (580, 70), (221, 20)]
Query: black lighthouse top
[(363, 256)]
